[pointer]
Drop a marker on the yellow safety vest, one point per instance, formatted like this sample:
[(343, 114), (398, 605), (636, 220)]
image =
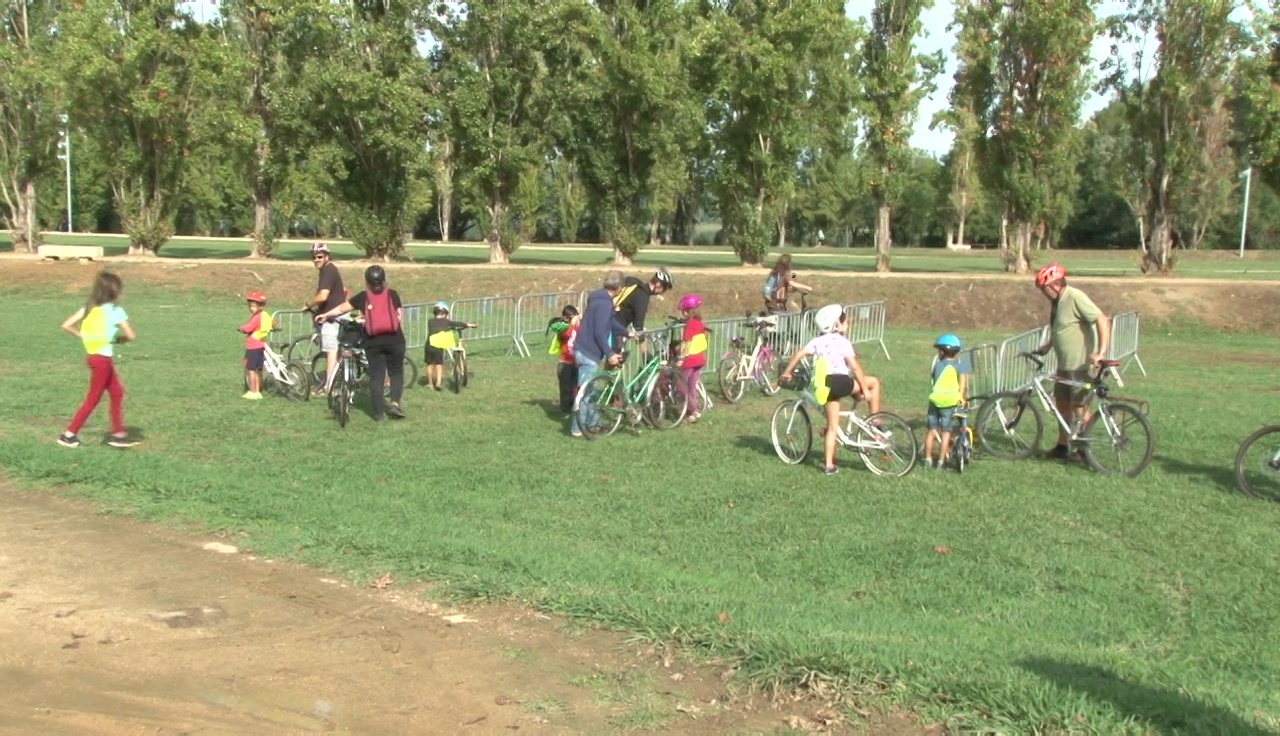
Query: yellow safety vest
[(946, 390)]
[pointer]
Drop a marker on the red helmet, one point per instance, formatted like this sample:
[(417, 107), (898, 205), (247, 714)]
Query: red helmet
[(319, 248), (1049, 274), (256, 296)]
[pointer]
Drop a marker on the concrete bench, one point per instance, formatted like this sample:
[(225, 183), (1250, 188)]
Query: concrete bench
[(68, 252)]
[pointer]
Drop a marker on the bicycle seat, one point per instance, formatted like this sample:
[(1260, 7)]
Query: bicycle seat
[(1109, 363)]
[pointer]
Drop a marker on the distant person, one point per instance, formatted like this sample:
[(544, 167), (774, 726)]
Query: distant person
[(255, 335), (779, 283), (598, 340), (948, 386), (565, 328), (102, 323), (822, 237), (631, 302), (384, 343), (1079, 335), (329, 294)]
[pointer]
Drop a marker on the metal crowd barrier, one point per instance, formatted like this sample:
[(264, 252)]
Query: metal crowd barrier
[(414, 323), (1125, 329), (497, 317), (1014, 373), (533, 311), (982, 363), (290, 324), (866, 325)]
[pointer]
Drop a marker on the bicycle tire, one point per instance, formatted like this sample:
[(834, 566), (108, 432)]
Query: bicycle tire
[(318, 369), (589, 399), (960, 451), (732, 387), (410, 372), (299, 386), (666, 405), (768, 372), (1266, 483), (1093, 448), (898, 447), (1010, 410), (294, 352), (456, 370), (791, 431), (466, 371), (342, 403)]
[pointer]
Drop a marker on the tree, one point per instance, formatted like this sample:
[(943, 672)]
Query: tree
[(29, 99), (768, 71), (1176, 111), (1032, 107), (895, 79)]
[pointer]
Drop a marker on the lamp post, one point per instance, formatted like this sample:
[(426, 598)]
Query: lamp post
[(1244, 216), (64, 146)]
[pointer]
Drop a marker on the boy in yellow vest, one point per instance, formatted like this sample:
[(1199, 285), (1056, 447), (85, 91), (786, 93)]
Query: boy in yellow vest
[(948, 387)]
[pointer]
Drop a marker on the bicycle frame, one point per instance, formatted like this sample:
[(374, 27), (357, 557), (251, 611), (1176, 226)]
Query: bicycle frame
[(849, 420)]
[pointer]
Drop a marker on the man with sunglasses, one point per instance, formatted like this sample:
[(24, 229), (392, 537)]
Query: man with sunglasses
[(329, 294)]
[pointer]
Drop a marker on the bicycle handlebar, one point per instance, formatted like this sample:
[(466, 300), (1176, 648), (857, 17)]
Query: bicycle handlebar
[(1039, 361)]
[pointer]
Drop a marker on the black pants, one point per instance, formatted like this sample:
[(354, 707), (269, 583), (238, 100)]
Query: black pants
[(568, 375), (386, 356)]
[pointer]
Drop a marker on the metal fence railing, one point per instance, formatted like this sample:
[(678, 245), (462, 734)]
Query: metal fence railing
[(533, 311), (982, 363), (414, 323), (290, 324), (866, 325), (1125, 329), (497, 318), (1014, 372)]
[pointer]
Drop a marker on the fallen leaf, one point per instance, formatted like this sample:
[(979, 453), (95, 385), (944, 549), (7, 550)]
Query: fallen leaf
[(505, 700), (63, 612), (384, 580), (677, 676), (690, 709), (78, 634), (667, 658), (942, 550), (724, 617), (71, 645), (5, 595)]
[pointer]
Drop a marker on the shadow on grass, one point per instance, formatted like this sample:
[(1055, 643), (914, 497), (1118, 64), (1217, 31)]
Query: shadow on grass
[(550, 407), (759, 443), (1224, 476), (1161, 709)]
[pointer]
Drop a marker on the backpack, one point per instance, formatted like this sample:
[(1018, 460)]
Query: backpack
[(380, 316), (770, 285)]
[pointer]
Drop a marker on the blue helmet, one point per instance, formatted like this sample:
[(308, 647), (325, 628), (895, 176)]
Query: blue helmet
[(947, 342)]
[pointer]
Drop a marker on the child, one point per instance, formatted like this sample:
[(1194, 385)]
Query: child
[(949, 382), (440, 337), (693, 352), (835, 368), (102, 323), (778, 285), (566, 329), (256, 331)]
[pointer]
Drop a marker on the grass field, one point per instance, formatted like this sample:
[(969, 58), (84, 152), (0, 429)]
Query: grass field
[(1068, 602), (1209, 264)]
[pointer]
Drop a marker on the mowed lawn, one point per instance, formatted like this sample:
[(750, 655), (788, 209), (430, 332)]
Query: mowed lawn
[(1263, 265), (1017, 597)]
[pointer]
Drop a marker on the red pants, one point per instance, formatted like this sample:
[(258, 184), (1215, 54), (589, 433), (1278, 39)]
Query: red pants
[(102, 377)]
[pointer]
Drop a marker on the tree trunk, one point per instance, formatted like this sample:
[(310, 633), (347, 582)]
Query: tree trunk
[(653, 231), (950, 233), (961, 216), (444, 213), (1160, 245), (497, 211), (26, 215), (620, 258), (262, 234), (1017, 259), (782, 232), (882, 238)]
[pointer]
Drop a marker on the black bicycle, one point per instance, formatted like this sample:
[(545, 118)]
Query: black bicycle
[(1258, 464)]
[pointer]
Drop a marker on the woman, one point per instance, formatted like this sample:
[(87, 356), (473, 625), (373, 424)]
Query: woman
[(384, 338), (779, 283)]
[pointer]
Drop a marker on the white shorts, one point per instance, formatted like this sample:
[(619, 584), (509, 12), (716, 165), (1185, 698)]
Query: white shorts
[(328, 337)]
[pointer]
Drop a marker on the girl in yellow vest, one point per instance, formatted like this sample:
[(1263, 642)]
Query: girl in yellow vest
[(99, 325), (949, 383), (693, 352)]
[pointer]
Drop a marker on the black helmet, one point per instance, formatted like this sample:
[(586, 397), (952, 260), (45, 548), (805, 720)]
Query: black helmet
[(375, 276), (663, 276)]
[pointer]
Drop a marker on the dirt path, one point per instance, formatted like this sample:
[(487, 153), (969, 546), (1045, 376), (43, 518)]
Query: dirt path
[(114, 626)]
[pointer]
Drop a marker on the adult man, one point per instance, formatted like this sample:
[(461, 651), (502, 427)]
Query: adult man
[(1073, 320), (599, 336), (631, 302), (329, 294)]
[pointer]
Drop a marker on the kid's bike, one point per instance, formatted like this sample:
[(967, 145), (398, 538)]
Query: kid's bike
[(459, 370), (352, 337), (279, 376), (961, 440), (1116, 439), (883, 441), (653, 395), (1258, 464), (740, 366)]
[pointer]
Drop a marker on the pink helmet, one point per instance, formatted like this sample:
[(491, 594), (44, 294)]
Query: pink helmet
[(690, 301)]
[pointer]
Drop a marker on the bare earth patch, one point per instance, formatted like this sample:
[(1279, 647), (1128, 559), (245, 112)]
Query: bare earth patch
[(115, 626)]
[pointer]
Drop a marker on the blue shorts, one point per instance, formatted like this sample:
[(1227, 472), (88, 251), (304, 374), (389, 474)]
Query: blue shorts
[(943, 419), (253, 359)]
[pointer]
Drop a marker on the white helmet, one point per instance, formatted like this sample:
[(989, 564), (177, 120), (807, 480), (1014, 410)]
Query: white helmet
[(828, 317)]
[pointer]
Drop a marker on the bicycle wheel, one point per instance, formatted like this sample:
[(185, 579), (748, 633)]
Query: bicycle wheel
[(1258, 464), (318, 369), (666, 404), (1118, 440), (300, 349), (299, 386), (732, 385), (599, 407), (455, 364), (410, 372), (1010, 425), (466, 370), (889, 448), (791, 431), (960, 450), (341, 401), (767, 372)]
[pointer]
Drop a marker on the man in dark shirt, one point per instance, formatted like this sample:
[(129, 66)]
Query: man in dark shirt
[(631, 303), (329, 294)]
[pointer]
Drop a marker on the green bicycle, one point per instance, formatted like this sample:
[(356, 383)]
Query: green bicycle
[(654, 395)]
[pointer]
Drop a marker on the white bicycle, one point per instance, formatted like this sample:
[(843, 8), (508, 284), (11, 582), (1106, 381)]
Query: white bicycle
[(287, 378)]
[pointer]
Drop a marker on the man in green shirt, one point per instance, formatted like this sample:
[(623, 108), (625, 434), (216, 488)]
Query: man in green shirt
[(1079, 335)]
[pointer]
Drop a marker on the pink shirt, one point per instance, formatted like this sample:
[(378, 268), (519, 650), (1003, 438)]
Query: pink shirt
[(835, 348), (253, 325)]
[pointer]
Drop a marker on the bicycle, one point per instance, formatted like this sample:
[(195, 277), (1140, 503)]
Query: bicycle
[(458, 363), (653, 395), (1260, 477), (739, 367), (1109, 425), (347, 376), (883, 441), (961, 440), (319, 365), (281, 376)]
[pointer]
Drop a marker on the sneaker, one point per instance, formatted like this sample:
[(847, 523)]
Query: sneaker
[(395, 411), (66, 439), (575, 434), (121, 440), (927, 463), (438, 388), (831, 470), (1059, 452), (379, 417), (693, 418), (252, 395)]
